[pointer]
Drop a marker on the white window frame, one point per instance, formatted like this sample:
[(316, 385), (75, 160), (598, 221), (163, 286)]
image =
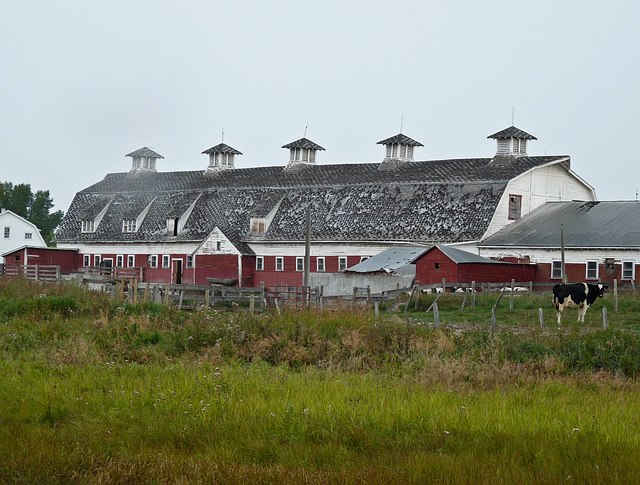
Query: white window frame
[(279, 263), (96, 260), (119, 261), (625, 275), (342, 263), (166, 261), (131, 261), (191, 260), (556, 269), (259, 263), (596, 269), (320, 264), (7, 232), (153, 261), (28, 235), (299, 263), (129, 225), (88, 225), (86, 260)]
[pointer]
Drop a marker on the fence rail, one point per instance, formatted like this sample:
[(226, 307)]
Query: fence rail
[(37, 272)]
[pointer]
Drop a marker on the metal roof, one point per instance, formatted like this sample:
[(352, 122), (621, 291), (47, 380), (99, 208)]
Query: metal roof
[(512, 132), (144, 152), (389, 260), (400, 139), (460, 256), (611, 224)]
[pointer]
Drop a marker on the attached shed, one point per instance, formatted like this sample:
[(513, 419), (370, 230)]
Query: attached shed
[(67, 259), (458, 266)]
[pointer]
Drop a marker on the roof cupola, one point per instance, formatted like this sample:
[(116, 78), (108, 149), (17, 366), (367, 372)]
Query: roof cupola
[(398, 149), (512, 141), (221, 157), (144, 160), (302, 152)]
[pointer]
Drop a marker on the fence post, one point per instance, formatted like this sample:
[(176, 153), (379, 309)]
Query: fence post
[(436, 314), (615, 295), (513, 286), (146, 291), (135, 291), (180, 301), (252, 304), (444, 286), (473, 295), (368, 294), (464, 300), (36, 273), (605, 323), (541, 317), (376, 309), (166, 294), (207, 299), (353, 299)]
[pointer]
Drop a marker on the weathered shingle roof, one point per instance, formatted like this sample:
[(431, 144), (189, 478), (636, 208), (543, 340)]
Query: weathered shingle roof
[(400, 139), (222, 148), (512, 132), (144, 152), (303, 143), (585, 225), (423, 202)]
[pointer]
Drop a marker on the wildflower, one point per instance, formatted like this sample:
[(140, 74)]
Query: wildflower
[(305, 411), (446, 432), (273, 415), (576, 430)]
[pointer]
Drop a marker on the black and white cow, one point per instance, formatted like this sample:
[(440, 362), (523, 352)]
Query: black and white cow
[(581, 295)]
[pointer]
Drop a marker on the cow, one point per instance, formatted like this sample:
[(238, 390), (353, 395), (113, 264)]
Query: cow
[(581, 295)]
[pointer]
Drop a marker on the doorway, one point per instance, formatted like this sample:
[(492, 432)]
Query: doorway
[(177, 271)]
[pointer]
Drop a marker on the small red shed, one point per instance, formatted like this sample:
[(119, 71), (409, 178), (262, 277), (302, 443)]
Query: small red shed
[(458, 266)]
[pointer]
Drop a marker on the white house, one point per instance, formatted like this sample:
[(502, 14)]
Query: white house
[(17, 232)]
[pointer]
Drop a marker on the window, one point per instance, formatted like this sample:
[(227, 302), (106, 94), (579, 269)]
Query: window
[(119, 261), (86, 260), (218, 245), (96, 260), (189, 261), (165, 261), (364, 258), (259, 263), (7, 232), (172, 226), (28, 235), (515, 207), (257, 225), (279, 263), (556, 270), (320, 264), (342, 263), (153, 261), (88, 225), (131, 261), (592, 270), (128, 225), (628, 270), (299, 264)]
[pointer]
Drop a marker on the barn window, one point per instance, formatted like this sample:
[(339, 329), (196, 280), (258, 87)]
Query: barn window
[(342, 263), (128, 225), (257, 225), (279, 263), (628, 270), (165, 260), (190, 261), (320, 264), (437, 266), (86, 260), (7, 232), (88, 225), (515, 207), (299, 264), (28, 235), (131, 261), (259, 263), (119, 260), (153, 261), (556, 270), (592, 270), (96, 260)]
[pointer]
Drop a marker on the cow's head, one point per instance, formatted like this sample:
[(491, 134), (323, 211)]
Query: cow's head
[(601, 289)]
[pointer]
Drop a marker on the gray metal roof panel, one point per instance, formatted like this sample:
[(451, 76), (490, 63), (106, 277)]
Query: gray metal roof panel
[(389, 260), (609, 224)]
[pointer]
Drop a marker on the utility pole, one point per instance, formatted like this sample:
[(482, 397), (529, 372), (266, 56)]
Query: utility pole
[(564, 273), (307, 249)]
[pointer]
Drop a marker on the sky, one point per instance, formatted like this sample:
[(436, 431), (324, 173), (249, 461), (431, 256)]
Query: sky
[(83, 83)]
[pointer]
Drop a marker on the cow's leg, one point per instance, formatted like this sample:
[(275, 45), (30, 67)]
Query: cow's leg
[(559, 314)]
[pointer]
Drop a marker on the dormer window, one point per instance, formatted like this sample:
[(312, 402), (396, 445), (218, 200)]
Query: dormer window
[(258, 225), (302, 152), (172, 226), (144, 160), (512, 141), (88, 225), (221, 157), (129, 225)]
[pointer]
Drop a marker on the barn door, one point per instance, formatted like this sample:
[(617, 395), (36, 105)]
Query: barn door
[(177, 271)]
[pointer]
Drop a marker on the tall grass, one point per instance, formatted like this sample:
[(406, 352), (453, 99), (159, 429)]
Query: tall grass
[(98, 391)]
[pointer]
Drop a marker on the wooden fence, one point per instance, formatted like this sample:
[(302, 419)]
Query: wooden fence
[(36, 272)]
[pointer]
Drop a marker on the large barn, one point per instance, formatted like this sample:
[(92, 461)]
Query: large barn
[(248, 224)]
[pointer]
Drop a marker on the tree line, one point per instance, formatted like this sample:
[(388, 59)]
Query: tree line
[(34, 207)]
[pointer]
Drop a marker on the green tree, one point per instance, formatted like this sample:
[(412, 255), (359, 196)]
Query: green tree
[(36, 208)]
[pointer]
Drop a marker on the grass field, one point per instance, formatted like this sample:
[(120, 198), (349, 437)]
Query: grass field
[(94, 391)]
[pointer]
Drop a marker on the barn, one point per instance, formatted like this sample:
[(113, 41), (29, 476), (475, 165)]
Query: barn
[(17, 232), (248, 224), (67, 259), (601, 241)]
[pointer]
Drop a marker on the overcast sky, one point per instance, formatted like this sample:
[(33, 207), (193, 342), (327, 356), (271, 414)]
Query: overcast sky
[(83, 83)]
